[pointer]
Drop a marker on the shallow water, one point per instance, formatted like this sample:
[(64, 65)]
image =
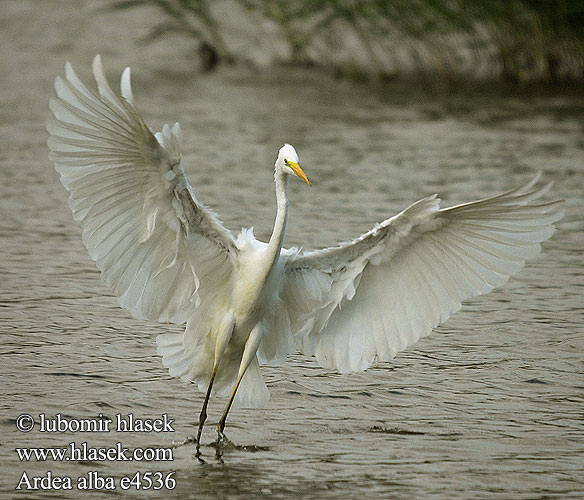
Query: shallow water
[(489, 406)]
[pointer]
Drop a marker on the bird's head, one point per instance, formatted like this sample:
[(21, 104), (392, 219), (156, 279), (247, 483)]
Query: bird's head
[(288, 162)]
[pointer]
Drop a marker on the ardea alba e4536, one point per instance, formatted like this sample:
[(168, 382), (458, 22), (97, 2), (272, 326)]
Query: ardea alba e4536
[(244, 302)]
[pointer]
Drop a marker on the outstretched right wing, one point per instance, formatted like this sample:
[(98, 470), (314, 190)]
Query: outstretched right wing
[(371, 298), (157, 247)]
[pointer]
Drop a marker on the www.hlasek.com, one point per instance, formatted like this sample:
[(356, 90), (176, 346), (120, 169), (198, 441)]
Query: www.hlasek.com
[(83, 452)]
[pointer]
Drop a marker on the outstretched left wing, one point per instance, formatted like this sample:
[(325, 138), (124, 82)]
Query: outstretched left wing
[(158, 248), (369, 299)]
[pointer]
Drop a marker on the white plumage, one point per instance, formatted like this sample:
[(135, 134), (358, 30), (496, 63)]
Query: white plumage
[(169, 259)]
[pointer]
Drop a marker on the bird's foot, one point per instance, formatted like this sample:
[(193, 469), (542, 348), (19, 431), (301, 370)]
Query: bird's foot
[(220, 429), (220, 443)]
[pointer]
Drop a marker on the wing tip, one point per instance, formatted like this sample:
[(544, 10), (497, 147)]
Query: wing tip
[(97, 62), (126, 85), (98, 68)]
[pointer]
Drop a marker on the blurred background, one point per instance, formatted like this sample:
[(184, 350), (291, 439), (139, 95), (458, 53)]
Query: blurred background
[(518, 41), (386, 102)]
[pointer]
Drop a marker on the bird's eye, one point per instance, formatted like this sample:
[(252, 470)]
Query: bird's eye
[(285, 162)]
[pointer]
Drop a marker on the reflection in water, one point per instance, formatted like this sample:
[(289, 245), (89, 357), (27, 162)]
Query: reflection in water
[(224, 480)]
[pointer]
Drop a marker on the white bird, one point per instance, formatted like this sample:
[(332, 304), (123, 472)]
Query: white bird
[(169, 259)]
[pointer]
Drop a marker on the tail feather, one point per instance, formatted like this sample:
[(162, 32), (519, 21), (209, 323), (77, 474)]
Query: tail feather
[(252, 391), (174, 357), (196, 367)]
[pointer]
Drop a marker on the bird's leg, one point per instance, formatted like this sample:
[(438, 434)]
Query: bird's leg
[(221, 425), (223, 338), (249, 352), (203, 415)]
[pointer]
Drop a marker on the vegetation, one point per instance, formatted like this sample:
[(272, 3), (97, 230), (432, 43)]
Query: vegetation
[(517, 40)]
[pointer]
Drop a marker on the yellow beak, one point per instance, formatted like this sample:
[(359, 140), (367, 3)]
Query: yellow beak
[(298, 171)]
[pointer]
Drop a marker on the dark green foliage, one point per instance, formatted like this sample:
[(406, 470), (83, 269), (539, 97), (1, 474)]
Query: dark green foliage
[(520, 40)]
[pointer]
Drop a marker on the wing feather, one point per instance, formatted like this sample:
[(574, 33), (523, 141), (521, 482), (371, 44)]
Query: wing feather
[(371, 298), (157, 247)]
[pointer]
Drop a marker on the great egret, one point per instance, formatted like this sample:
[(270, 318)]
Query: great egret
[(168, 258)]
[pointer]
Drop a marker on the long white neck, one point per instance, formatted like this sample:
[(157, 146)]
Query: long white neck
[(277, 238)]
